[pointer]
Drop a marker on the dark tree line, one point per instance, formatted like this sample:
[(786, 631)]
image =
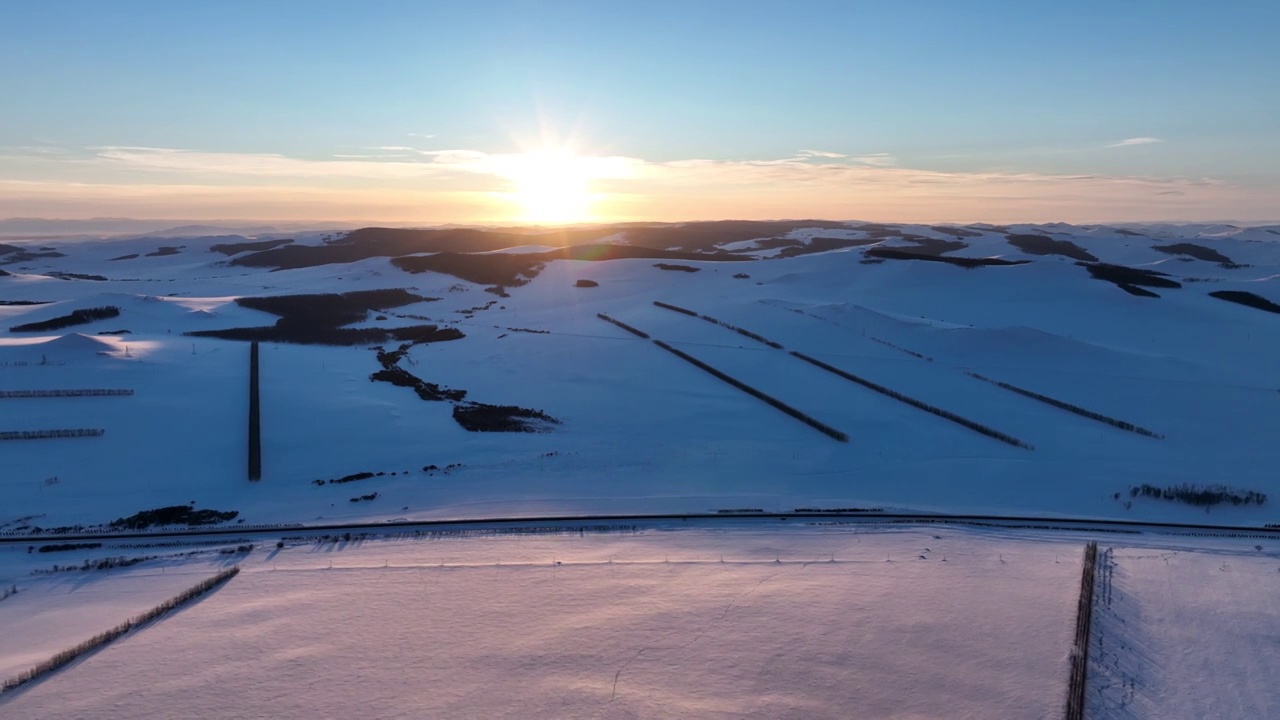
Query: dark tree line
[(1041, 245), (71, 654), (741, 331), (305, 333), (95, 392), (885, 253), (624, 326), (75, 317), (920, 404), (320, 319), (173, 515), (1199, 252), (255, 417), (1076, 409), (1122, 275), (1201, 496), (483, 417), (69, 546), (776, 403), (1248, 299), (1084, 623), (51, 434)]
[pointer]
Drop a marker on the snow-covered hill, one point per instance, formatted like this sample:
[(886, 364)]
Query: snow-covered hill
[(915, 310)]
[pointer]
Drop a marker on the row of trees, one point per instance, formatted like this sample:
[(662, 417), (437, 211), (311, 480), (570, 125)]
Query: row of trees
[(255, 417), (919, 404), (1202, 496), (624, 326), (69, 546), (75, 317), (87, 392), (743, 332), (71, 654), (899, 348), (797, 414), (886, 253), (109, 563), (1076, 409), (1084, 623), (50, 434)]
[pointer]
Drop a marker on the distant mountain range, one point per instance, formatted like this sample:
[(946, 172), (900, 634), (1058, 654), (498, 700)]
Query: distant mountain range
[(34, 228), (45, 228)]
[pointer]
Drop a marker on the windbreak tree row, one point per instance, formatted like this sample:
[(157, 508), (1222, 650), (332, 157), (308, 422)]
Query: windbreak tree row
[(75, 317), (899, 348), (86, 392), (97, 641), (920, 404), (745, 333), (255, 416), (1201, 496), (624, 326), (1076, 409), (51, 434), (1084, 623), (774, 402)]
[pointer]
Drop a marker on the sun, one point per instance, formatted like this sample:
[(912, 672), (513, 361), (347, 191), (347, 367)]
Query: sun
[(552, 187)]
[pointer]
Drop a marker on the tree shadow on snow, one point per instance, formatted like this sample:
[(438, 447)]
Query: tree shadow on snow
[(1120, 656)]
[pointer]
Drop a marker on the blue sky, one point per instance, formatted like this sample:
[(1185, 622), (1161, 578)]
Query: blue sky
[(956, 88)]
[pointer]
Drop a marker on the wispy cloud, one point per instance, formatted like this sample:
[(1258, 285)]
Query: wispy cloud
[(464, 185), (1134, 141), (424, 136), (876, 159), (196, 162), (453, 156)]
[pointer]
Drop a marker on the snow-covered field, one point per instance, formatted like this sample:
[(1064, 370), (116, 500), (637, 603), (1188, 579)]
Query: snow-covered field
[(51, 613), (755, 622), (643, 431), (1185, 634)]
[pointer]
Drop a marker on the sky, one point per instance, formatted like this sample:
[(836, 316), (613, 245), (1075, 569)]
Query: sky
[(567, 111)]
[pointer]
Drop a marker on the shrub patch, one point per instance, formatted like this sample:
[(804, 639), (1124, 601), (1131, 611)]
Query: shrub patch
[(482, 417), (173, 515)]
